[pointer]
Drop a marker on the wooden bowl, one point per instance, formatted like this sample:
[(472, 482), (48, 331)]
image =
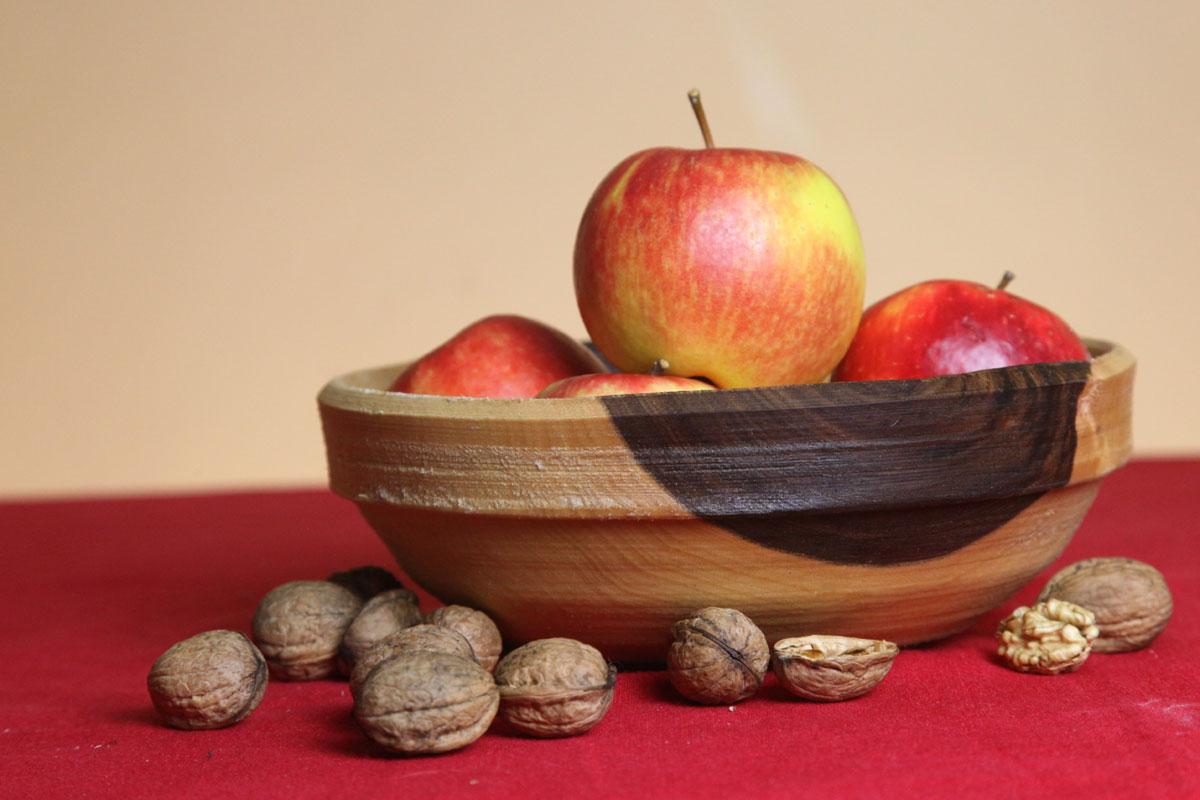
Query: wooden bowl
[(898, 510)]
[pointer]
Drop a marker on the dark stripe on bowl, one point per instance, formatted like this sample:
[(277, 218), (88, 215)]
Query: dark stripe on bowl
[(750, 459)]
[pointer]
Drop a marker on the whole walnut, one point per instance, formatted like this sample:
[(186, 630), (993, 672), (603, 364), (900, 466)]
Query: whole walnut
[(477, 626), (384, 614), (211, 680), (555, 687), (1130, 599), (432, 638), (426, 702), (368, 581), (299, 627), (718, 657)]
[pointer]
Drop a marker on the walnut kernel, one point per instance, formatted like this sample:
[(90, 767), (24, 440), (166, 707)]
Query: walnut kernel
[(1130, 599), (555, 687), (211, 680), (832, 667), (1051, 637), (476, 626), (426, 702), (718, 657), (299, 627)]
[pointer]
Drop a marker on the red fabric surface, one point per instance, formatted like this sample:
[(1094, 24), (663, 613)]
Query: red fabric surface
[(94, 591)]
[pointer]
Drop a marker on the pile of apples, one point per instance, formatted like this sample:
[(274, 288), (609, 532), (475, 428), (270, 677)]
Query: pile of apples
[(723, 268)]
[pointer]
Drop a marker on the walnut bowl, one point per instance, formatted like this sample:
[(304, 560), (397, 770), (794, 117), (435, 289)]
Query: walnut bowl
[(899, 510)]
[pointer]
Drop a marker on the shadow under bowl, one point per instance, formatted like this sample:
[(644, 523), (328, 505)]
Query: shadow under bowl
[(898, 510)]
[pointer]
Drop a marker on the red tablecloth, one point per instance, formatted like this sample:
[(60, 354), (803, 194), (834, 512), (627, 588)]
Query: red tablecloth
[(93, 591)]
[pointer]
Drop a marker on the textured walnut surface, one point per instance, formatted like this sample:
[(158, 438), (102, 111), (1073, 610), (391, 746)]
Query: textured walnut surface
[(718, 656), (555, 687), (426, 702), (299, 627), (434, 638), (478, 629), (368, 581), (1049, 638), (211, 680), (1130, 599), (384, 614), (832, 667)]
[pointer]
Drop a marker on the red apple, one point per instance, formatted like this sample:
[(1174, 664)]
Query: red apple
[(744, 267), (499, 356), (947, 327), (622, 383)]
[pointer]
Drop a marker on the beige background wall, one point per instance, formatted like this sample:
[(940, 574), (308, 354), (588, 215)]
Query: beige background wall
[(207, 209)]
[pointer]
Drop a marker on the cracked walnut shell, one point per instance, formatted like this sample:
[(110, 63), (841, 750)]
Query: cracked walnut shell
[(555, 687), (718, 657), (426, 702), (211, 680), (476, 626), (831, 668), (1051, 637), (299, 627), (1130, 599)]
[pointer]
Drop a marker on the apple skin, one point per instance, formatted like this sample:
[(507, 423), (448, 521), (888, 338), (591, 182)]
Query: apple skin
[(947, 327), (742, 266), (622, 383), (499, 356)]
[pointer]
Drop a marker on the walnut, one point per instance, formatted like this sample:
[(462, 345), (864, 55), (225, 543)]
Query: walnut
[(384, 614), (434, 638), (832, 667), (366, 582), (426, 702), (299, 626), (555, 687), (211, 680), (718, 657), (1051, 637), (1130, 599), (477, 626)]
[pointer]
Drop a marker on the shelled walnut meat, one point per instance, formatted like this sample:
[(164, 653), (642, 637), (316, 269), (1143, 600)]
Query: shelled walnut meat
[(299, 627), (431, 638), (1049, 638), (718, 656), (555, 687), (478, 629), (426, 702), (1130, 599), (383, 615), (211, 680), (831, 668)]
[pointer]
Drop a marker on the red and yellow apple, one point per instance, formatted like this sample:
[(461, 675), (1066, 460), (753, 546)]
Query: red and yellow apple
[(744, 267), (499, 356), (946, 327), (621, 383)]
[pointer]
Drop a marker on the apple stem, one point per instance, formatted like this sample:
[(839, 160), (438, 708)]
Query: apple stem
[(659, 366), (698, 109), (1005, 280)]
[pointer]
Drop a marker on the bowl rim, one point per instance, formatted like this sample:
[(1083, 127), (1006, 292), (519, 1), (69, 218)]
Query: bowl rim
[(357, 391)]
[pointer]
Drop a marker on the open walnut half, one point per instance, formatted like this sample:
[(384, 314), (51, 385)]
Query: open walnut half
[(832, 667)]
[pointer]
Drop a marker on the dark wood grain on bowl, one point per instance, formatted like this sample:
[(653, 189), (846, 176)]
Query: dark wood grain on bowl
[(859, 446)]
